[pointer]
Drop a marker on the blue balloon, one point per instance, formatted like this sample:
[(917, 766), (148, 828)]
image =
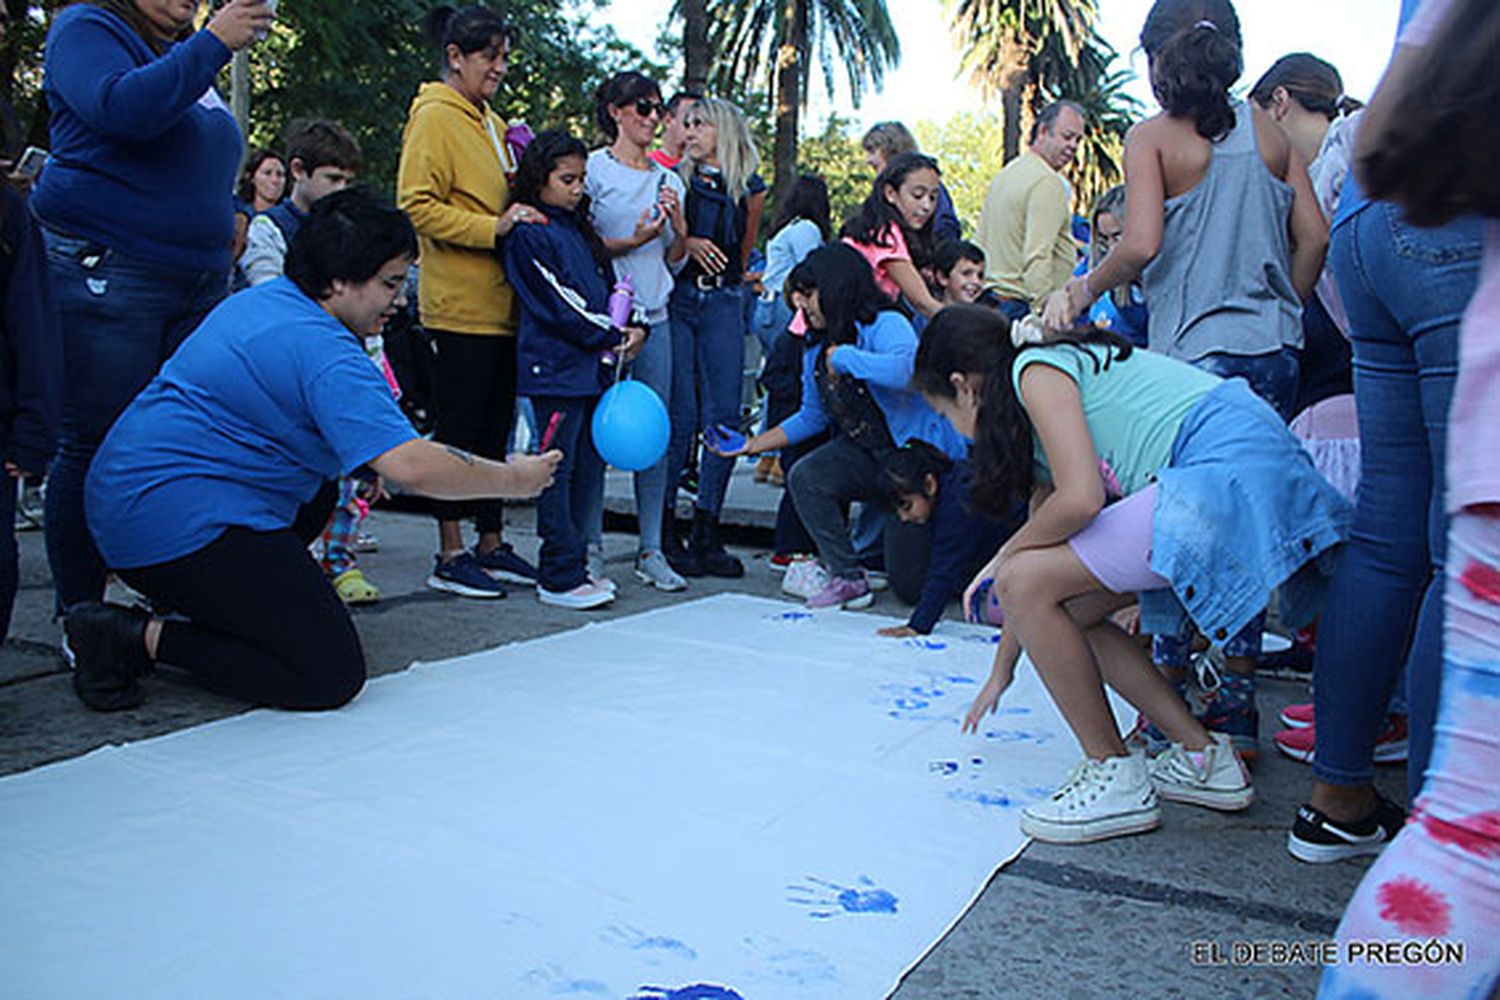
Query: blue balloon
[(631, 426)]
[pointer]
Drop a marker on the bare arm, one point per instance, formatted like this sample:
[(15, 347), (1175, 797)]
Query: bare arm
[(1145, 193), (1306, 227), (754, 209), (907, 278), (449, 473), (1052, 400)]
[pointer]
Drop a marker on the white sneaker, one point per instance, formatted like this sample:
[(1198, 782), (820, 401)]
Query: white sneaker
[(805, 578), (652, 568), (1101, 799), (580, 598), (1218, 780)]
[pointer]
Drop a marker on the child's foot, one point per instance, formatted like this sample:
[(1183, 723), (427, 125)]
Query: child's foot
[(582, 597), (353, 588), (805, 578), (1100, 799), (463, 575), (1299, 743), (652, 568), (849, 592), (1229, 708), (1213, 777), (504, 565), (1318, 839)]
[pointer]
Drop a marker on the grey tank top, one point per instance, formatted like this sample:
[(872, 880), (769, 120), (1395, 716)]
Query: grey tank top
[(1222, 281)]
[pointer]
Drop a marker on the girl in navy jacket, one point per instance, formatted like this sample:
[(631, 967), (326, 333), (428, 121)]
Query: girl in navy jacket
[(558, 269)]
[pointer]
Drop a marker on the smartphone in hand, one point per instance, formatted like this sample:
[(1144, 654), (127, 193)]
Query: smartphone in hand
[(31, 162)]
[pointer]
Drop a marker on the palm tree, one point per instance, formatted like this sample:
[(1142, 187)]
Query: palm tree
[(695, 51), (1016, 48), (1110, 111), (777, 41)]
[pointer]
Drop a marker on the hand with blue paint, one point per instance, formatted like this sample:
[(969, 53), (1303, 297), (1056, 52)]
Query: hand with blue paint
[(725, 441), (1001, 676)]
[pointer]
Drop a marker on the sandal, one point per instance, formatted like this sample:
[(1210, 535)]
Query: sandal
[(353, 588)]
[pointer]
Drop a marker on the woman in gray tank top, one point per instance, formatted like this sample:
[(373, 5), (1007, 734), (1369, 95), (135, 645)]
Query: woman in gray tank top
[(1228, 239), (1225, 232)]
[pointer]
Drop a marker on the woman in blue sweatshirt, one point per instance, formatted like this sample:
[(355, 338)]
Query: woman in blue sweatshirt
[(137, 207), (856, 374), (557, 268)]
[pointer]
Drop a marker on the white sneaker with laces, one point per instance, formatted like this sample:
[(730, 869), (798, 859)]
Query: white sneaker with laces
[(582, 597), (805, 578), (1100, 799), (1217, 780)]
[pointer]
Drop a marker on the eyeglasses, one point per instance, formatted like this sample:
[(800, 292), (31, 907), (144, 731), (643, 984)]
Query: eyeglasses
[(645, 107)]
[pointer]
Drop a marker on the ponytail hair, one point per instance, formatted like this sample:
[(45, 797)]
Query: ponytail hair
[(1312, 82), (472, 29), (1196, 55), (975, 340)]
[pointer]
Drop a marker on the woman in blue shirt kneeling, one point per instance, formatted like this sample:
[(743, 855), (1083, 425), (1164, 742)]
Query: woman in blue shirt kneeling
[(208, 489)]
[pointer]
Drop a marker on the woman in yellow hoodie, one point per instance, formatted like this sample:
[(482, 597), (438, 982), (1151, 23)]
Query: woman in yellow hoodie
[(452, 183)]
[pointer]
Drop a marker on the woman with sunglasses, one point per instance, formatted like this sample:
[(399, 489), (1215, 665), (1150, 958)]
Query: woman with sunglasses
[(636, 207), (725, 199)]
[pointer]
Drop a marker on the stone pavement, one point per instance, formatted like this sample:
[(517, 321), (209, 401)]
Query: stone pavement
[(1104, 920)]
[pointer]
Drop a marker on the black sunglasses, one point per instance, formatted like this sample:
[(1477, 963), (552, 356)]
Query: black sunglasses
[(645, 107)]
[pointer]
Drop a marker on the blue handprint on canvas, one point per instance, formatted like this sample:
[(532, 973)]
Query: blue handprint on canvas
[(826, 899)]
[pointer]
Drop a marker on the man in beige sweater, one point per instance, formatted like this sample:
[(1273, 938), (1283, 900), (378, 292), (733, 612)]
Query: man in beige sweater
[(1026, 225)]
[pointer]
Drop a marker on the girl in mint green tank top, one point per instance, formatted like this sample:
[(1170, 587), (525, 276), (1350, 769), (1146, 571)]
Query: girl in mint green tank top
[(1150, 480)]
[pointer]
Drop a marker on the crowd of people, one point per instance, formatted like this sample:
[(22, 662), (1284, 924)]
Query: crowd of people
[(1236, 393)]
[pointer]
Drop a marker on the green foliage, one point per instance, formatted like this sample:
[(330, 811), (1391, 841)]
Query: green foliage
[(361, 63), (967, 147), (836, 156)]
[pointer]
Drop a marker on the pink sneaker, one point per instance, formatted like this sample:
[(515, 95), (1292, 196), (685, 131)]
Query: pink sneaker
[(843, 592), (1298, 716), (1390, 745), (581, 598)]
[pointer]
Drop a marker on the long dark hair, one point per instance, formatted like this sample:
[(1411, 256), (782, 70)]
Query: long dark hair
[(1313, 83), (869, 224), (975, 340), (846, 291), (537, 163), (1196, 55), (808, 200), (904, 472), (1451, 95), (246, 189), (619, 90)]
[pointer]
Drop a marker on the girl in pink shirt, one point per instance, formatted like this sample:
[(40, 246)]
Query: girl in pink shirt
[(893, 229)]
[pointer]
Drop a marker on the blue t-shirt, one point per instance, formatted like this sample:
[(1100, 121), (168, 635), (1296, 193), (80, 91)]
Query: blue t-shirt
[(267, 400)]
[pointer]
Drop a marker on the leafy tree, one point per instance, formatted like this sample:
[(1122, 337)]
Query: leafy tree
[(967, 148), (1017, 47), (836, 156), (777, 41), (361, 62)]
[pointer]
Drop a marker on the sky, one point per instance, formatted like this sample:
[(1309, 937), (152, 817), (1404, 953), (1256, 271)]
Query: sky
[(1355, 35)]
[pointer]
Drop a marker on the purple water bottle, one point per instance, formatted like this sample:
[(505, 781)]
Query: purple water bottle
[(621, 301)]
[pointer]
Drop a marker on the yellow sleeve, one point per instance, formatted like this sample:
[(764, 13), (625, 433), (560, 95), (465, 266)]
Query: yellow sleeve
[(425, 182), (1046, 215)]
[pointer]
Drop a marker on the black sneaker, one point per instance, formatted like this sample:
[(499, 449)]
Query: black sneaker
[(1319, 840), (109, 654)]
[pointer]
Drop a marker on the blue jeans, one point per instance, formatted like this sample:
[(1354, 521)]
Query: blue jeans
[(1405, 290), (1272, 377), (653, 368), (564, 508), (708, 362), (121, 319)]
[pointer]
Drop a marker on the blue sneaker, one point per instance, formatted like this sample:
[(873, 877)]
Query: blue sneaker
[(503, 564), (464, 576)]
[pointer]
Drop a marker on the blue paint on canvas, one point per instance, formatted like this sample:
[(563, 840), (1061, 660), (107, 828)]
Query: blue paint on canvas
[(696, 991), (826, 899)]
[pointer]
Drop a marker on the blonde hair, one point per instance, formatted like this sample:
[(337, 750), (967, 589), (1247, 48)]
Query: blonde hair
[(738, 159)]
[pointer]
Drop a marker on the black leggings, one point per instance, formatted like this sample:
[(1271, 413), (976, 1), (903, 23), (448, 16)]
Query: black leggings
[(476, 405), (264, 624)]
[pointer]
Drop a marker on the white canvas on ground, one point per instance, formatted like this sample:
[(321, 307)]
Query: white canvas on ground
[(729, 798)]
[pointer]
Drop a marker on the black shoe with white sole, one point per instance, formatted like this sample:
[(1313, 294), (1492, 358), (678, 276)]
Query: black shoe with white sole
[(109, 654), (1317, 839)]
